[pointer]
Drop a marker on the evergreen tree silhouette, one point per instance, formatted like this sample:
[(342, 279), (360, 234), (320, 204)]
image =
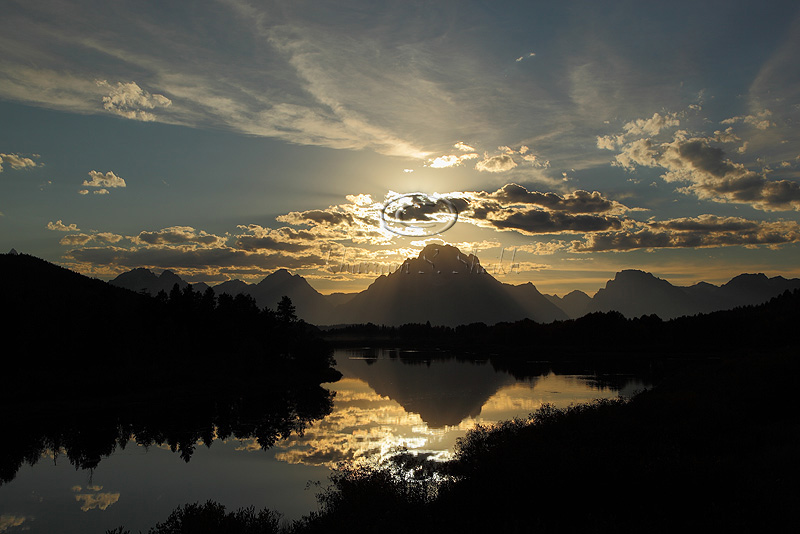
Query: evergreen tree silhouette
[(286, 310)]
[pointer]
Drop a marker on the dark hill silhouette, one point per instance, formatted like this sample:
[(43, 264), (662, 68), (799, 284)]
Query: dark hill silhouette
[(86, 331)]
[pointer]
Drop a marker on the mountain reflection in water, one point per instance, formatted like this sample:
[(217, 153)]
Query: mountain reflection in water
[(261, 446), (422, 404)]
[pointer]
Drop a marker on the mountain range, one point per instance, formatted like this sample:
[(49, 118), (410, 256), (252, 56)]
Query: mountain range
[(446, 287), (635, 293)]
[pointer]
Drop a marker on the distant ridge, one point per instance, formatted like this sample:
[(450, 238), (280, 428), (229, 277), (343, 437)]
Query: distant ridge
[(443, 286), (635, 293), (574, 303), (141, 279)]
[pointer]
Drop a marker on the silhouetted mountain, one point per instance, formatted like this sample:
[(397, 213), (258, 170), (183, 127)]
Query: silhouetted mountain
[(141, 279), (233, 288), (574, 304), (635, 293), (747, 289), (445, 287), (537, 307), (310, 304)]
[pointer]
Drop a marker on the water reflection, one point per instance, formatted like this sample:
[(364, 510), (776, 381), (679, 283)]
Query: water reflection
[(86, 435), (386, 399), (425, 404)]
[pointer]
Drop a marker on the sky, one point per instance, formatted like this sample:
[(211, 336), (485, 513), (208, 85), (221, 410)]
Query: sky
[(566, 140)]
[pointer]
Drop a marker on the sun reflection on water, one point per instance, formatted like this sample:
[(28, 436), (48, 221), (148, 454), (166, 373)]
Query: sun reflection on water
[(367, 425)]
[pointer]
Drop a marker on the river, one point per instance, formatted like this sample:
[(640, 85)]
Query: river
[(385, 399)]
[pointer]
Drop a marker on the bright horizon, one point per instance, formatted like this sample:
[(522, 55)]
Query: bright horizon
[(229, 140)]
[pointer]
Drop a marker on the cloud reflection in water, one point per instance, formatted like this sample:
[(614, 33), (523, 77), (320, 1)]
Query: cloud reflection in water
[(365, 424)]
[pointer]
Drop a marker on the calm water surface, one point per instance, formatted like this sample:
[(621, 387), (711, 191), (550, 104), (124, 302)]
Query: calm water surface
[(386, 399)]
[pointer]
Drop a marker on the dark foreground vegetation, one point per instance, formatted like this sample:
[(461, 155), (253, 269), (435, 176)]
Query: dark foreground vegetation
[(87, 367), (713, 448), (767, 326), (73, 336)]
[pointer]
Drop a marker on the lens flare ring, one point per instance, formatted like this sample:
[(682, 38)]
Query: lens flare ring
[(418, 215)]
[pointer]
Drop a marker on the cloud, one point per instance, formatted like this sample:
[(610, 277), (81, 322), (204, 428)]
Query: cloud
[(710, 175), (693, 232), (639, 152), (59, 226), (8, 521), (82, 239), (726, 136), (198, 252), (358, 221), (17, 162), (545, 248), (188, 258), (75, 240), (179, 235), (109, 179), (129, 100), (651, 126), (608, 142), (526, 56), (328, 217), (463, 147), (577, 202), (531, 222), (268, 239), (100, 501), (760, 120), (443, 162), (703, 167), (513, 207), (499, 163)]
